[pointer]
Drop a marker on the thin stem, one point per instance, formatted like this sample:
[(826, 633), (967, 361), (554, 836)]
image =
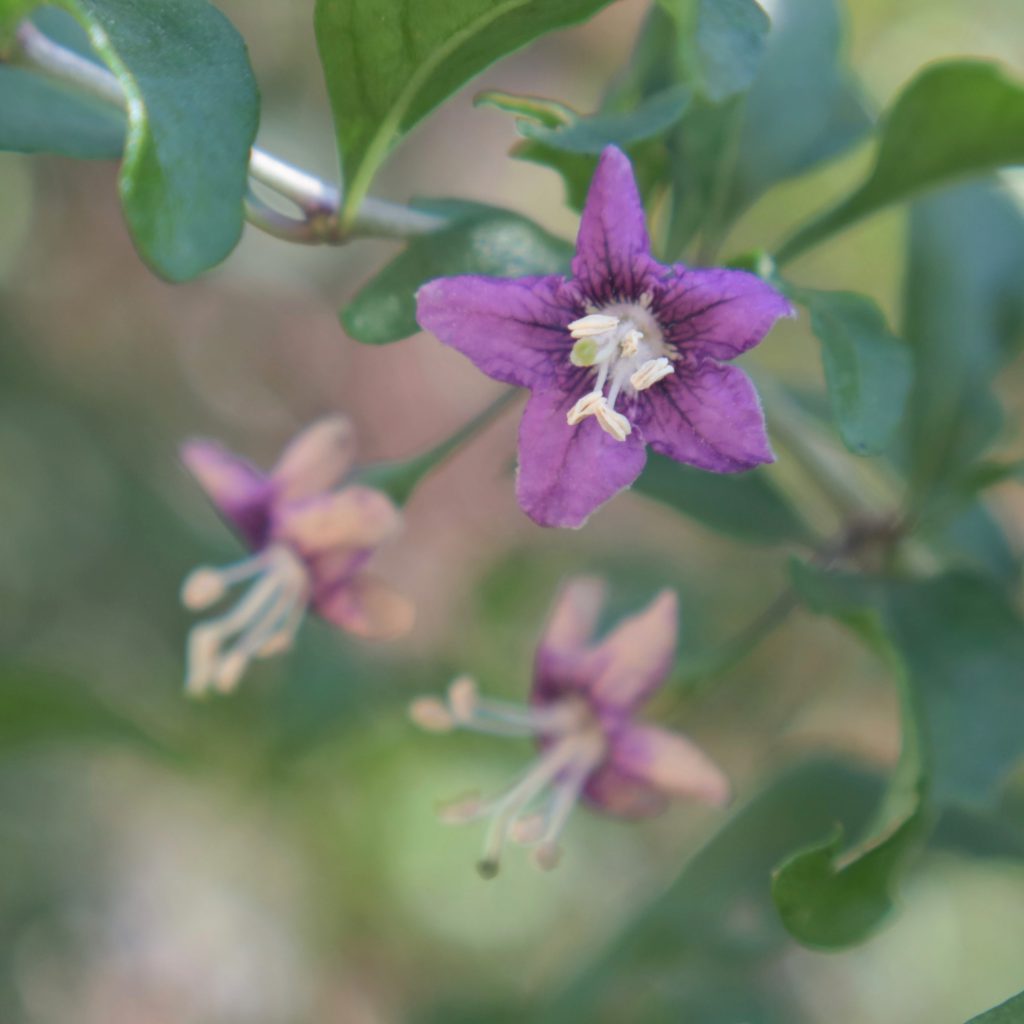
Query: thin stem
[(400, 479), (319, 201)]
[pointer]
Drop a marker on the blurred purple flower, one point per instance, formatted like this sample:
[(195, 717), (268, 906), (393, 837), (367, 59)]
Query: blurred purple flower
[(309, 543), (582, 708), (627, 352)]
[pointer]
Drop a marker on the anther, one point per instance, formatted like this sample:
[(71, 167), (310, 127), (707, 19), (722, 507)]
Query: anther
[(592, 325), (430, 714), (547, 855), (630, 344), (201, 588), (651, 372), (612, 422), (463, 699), (588, 405)]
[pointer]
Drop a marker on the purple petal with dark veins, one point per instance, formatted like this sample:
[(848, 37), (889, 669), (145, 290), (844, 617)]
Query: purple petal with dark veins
[(514, 330), (708, 416), (566, 472), (612, 248), (717, 313), (238, 490), (634, 658)]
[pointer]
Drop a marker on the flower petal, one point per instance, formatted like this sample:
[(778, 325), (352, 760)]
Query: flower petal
[(613, 258), (717, 313), (240, 492), (636, 656), (566, 472), (574, 615), (514, 330), (354, 517), (613, 791), (671, 763), (368, 607), (315, 460), (709, 417)]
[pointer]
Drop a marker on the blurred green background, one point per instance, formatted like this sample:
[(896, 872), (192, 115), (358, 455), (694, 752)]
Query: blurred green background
[(274, 857)]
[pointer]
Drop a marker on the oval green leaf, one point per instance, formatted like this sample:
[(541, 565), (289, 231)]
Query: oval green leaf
[(954, 119), (388, 63)]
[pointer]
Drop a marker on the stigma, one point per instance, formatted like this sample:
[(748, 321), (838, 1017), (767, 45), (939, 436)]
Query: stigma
[(263, 622), (534, 809), (624, 346)]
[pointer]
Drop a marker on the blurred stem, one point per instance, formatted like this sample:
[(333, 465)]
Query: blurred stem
[(319, 202), (715, 225), (400, 478)]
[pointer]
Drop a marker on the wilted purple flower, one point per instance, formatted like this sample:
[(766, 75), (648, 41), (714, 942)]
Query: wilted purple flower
[(582, 707), (310, 545), (627, 352)]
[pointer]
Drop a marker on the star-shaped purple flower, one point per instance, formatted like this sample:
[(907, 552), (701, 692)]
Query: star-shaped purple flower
[(582, 713), (310, 544), (627, 352)]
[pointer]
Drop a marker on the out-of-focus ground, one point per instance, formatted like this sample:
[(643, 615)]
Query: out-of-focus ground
[(312, 883)]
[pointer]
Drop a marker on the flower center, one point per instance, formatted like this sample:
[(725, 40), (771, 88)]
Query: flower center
[(263, 623), (534, 809), (624, 345)]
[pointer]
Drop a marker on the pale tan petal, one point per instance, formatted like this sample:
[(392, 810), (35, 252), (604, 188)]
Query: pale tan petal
[(369, 608), (354, 517), (315, 460)]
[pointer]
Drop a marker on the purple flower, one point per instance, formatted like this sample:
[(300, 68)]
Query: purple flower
[(309, 543), (626, 353), (582, 708)]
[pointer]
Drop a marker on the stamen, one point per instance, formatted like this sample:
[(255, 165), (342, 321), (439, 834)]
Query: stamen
[(201, 588), (584, 352), (264, 622), (613, 422), (430, 714), (592, 325), (547, 855), (463, 699), (586, 406), (651, 372)]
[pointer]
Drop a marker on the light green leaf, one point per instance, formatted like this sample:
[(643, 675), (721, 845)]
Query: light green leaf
[(192, 115), (1010, 1012), (715, 926), (590, 135), (388, 63), (867, 368), (482, 240), (744, 505), (726, 155), (954, 119), (830, 899), (549, 113), (722, 42), (964, 320)]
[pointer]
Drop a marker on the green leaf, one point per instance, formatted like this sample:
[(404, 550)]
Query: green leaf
[(747, 506), (954, 119), (549, 113), (829, 900), (192, 116), (388, 63), (962, 643), (717, 916), (963, 319), (1010, 1012), (867, 368), (728, 154), (482, 240), (590, 135), (41, 116), (722, 42)]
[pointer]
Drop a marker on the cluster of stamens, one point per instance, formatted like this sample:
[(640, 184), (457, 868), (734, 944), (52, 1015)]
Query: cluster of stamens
[(533, 810), (624, 345), (263, 623)]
